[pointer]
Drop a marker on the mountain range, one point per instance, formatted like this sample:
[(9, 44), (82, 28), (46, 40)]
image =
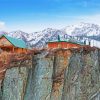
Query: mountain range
[(81, 32)]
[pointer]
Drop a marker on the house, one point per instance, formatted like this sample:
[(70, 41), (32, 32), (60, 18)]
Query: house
[(10, 44), (63, 44)]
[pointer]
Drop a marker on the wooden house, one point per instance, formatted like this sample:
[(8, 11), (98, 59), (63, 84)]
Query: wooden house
[(10, 44), (63, 44)]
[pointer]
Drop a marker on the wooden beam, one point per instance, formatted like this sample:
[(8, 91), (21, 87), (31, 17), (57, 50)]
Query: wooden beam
[(13, 49)]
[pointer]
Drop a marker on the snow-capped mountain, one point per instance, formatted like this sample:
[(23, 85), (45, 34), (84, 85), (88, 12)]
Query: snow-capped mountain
[(80, 32), (85, 32), (83, 29), (38, 39)]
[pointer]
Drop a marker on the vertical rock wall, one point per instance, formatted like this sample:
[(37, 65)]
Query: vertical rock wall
[(61, 58), (64, 75), (40, 78), (82, 78), (14, 83)]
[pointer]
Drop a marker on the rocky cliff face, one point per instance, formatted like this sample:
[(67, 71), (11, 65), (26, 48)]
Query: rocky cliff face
[(57, 75), (82, 77)]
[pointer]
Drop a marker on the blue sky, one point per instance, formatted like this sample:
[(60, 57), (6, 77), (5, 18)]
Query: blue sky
[(36, 15)]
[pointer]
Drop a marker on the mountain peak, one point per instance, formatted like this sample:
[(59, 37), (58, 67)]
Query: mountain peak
[(87, 29)]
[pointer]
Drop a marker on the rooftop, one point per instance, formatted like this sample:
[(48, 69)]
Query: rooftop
[(16, 42)]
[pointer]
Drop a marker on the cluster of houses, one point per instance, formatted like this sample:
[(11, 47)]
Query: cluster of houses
[(11, 44)]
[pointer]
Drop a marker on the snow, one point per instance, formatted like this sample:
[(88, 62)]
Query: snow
[(95, 43), (83, 29)]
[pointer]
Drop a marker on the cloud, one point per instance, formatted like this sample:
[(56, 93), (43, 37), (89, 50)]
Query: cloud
[(2, 24), (55, 21), (95, 18), (61, 21), (90, 18)]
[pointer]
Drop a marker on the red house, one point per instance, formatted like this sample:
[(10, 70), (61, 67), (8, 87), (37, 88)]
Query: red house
[(63, 44)]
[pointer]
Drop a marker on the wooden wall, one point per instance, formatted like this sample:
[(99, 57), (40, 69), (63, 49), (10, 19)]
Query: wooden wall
[(5, 45), (4, 42), (20, 50), (52, 45)]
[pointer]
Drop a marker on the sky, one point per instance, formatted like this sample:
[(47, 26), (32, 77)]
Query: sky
[(35, 15)]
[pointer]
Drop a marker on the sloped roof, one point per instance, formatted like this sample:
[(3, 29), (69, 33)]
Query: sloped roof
[(16, 42)]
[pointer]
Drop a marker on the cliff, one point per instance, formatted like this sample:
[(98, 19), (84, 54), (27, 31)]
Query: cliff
[(54, 75)]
